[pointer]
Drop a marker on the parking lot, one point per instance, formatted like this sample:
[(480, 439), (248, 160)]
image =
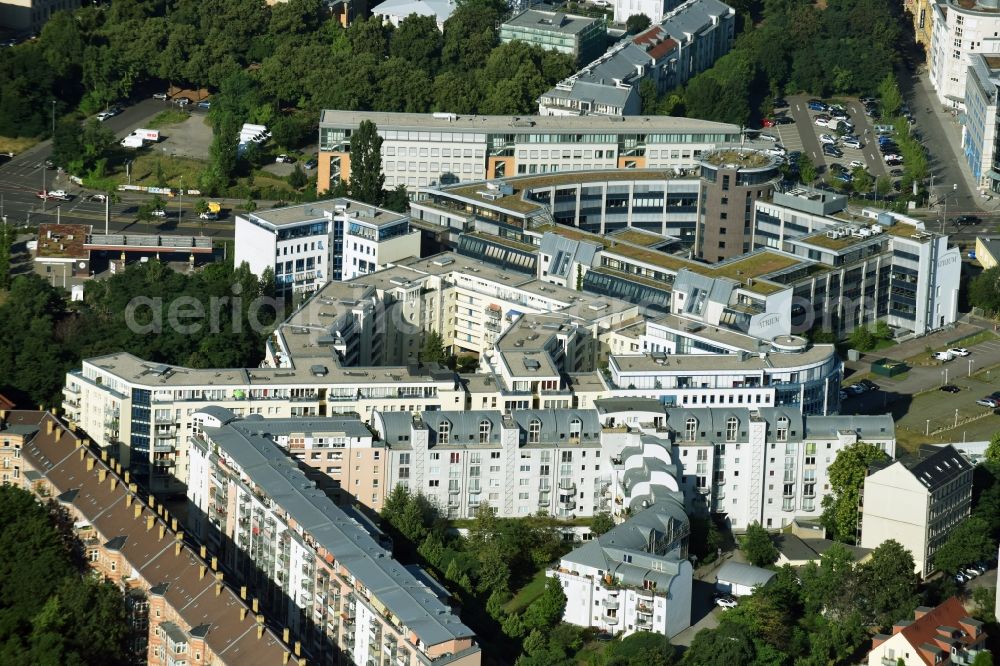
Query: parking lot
[(803, 135)]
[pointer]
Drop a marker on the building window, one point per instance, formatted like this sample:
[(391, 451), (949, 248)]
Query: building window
[(444, 432), (534, 431), (782, 429), (732, 427), (484, 432), (575, 426), (690, 428)]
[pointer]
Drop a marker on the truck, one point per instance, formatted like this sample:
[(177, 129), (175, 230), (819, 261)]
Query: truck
[(132, 141), (147, 134)]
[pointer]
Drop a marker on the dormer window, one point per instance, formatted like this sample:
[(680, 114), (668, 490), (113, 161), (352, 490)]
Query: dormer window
[(575, 426), (484, 431), (782, 434), (690, 428), (534, 431), (732, 427), (444, 432)]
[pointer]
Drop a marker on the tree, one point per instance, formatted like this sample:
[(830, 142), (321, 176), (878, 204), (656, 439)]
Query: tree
[(968, 542), (983, 658), (547, 610), (200, 206), (298, 178), (847, 476), (7, 234), (636, 23), (862, 339), (641, 649), (892, 99), (891, 583), (433, 350), (418, 41), (807, 169), (601, 523), (862, 180), (731, 644), (984, 290), (397, 199), (756, 544), (993, 449), (366, 164), (883, 185)]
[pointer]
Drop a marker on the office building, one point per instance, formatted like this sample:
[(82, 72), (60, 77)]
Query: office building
[(180, 607), (420, 150), (676, 47), (393, 12), (961, 28), (979, 131), (582, 37), (654, 9), (328, 578), (941, 636), (308, 245), (917, 500)]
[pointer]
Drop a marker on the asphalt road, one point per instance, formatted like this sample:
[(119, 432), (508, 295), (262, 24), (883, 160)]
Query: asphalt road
[(25, 175)]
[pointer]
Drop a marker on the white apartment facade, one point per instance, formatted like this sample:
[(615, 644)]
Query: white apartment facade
[(308, 245), (960, 29), (917, 501)]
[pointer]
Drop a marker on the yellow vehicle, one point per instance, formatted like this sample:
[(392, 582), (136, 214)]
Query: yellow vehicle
[(214, 207)]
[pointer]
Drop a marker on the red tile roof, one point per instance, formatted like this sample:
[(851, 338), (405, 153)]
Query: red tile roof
[(923, 631)]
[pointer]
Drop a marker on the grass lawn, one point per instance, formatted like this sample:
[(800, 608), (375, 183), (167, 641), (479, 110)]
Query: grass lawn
[(975, 339), (527, 594), (18, 145), (174, 169), (168, 117), (883, 344)]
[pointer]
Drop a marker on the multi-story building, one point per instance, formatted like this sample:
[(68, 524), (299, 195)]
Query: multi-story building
[(308, 245), (979, 131), (961, 28), (328, 578), (733, 181), (678, 46), (28, 16), (582, 37), (635, 577), (923, 21), (395, 11), (420, 150), (917, 500), (941, 636), (14, 434), (181, 608), (654, 9)]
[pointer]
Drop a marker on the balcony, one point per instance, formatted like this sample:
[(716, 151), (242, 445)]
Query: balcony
[(610, 602), (612, 620), (567, 484), (644, 609)]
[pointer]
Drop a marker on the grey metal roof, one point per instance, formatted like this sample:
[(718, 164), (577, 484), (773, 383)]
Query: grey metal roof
[(743, 574), (556, 22), (867, 427), (935, 466), (694, 17), (416, 606)]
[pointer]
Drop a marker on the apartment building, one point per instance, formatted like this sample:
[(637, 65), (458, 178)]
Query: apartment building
[(421, 150), (979, 131), (181, 608), (330, 581), (393, 12), (14, 434), (944, 635), (27, 17), (308, 245), (582, 37), (960, 30), (635, 577), (654, 9), (917, 500), (681, 44)]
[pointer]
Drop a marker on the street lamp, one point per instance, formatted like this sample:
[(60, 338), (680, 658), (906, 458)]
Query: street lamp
[(945, 373), (944, 212), (927, 430)]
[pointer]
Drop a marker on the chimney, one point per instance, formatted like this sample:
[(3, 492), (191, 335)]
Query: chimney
[(150, 520), (243, 613), (285, 657), (177, 547), (302, 660), (128, 502), (173, 524), (203, 551), (128, 478), (260, 626), (83, 453), (152, 502), (133, 488), (101, 473), (255, 605), (286, 635), (104, 455), (114, 482), (215, 563), (48, 425), (298, 648), (163, 530), (201, 571), (90, 464), (243, 592), (58, 434)]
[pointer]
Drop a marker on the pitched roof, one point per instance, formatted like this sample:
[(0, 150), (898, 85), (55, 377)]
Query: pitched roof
[(743, 574), (923, 634), (176, 576)]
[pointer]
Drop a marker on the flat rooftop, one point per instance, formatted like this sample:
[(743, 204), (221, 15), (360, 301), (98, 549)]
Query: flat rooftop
[(738, 157), (525, 124), (564, 24), (318, 211), (718, 334), (62, 241), (724, 363)]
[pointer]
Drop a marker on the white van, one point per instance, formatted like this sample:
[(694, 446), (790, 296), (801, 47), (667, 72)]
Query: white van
[(943, 356)]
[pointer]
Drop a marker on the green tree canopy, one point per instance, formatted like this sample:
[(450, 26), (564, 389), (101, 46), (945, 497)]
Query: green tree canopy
[(756, 544), (890, 579), (636, 23), (967, 543), (847, 476), (366, 164)]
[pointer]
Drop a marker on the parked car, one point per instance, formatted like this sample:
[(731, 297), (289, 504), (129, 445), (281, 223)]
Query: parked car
[(208, 215), (768, 137), (959, 351), (311, 164), (284, 159), (726, 602), (992, 403), (821, 120), (160, 96), (183, 101), (950, 388), (852, 142), (943, 356), (856, 389), (844, 177), (827, 138), (159, 212), (867, 100), (98, 197), (970, 572), (959, 578), (104, 115), (832, 150), (816, 105), (857, 164), (780, 103), (839, 114), (767, 122), (869, 384)]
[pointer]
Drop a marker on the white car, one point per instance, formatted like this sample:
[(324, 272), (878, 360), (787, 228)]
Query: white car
[(104, 115), (827, 138), (851, 142), (208, 215), (160, 96), (857, 164), (822, 121), (769, 137), (959, 351), (159, 212), (282, 159), (726, 602), (99, 197), (59, 194)]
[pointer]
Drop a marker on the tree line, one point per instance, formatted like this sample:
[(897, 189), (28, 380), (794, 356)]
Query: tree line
[(47, 336), (51, 612)]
